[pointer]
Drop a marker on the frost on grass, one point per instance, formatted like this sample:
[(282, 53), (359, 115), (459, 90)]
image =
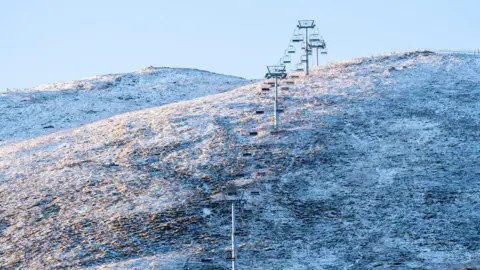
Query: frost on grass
[(28, 113), (376, 166)]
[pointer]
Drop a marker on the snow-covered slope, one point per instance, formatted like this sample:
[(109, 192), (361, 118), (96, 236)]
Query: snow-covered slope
[(45, 109), (376, 167)]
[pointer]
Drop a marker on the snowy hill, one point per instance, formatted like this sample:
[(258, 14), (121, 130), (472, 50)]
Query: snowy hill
[(27, 113), (376, 167)]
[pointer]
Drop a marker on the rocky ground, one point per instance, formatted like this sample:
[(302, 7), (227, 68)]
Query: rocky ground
[(375, 167)]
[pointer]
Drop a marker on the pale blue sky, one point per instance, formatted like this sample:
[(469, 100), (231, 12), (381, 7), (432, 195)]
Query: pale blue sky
[(55, 40)]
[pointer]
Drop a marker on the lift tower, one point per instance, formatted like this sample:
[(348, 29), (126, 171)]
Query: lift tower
[(306, 24), (276, 72), (317, 42), (318, 45), (232, 194)]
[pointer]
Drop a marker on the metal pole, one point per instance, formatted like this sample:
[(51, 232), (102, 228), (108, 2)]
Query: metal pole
[(275, 109), (306, 50), (316, 48), (233, 237)]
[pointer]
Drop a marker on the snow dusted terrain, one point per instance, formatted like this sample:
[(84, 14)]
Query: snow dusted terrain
[(28, 113), (375, 167)]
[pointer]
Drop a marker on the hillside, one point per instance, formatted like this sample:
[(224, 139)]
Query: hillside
[(375, 167), (28, 113)]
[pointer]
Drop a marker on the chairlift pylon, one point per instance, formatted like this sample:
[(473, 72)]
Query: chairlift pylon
[(231, 191), (318, 44), (316, 40)]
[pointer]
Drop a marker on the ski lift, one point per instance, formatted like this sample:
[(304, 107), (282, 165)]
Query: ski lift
[(276, 71), (231, 191), (299, 67), (309, 52), (304, 59), (297, 38), (315, 38), (228, 255), (240, 232), (291, 49), (280, 61), (318, 44), (248, 211), (324, 52), (287, 59), (306, 23)]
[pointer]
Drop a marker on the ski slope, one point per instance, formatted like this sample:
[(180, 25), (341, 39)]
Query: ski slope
[(375, 167), (27, 113)]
